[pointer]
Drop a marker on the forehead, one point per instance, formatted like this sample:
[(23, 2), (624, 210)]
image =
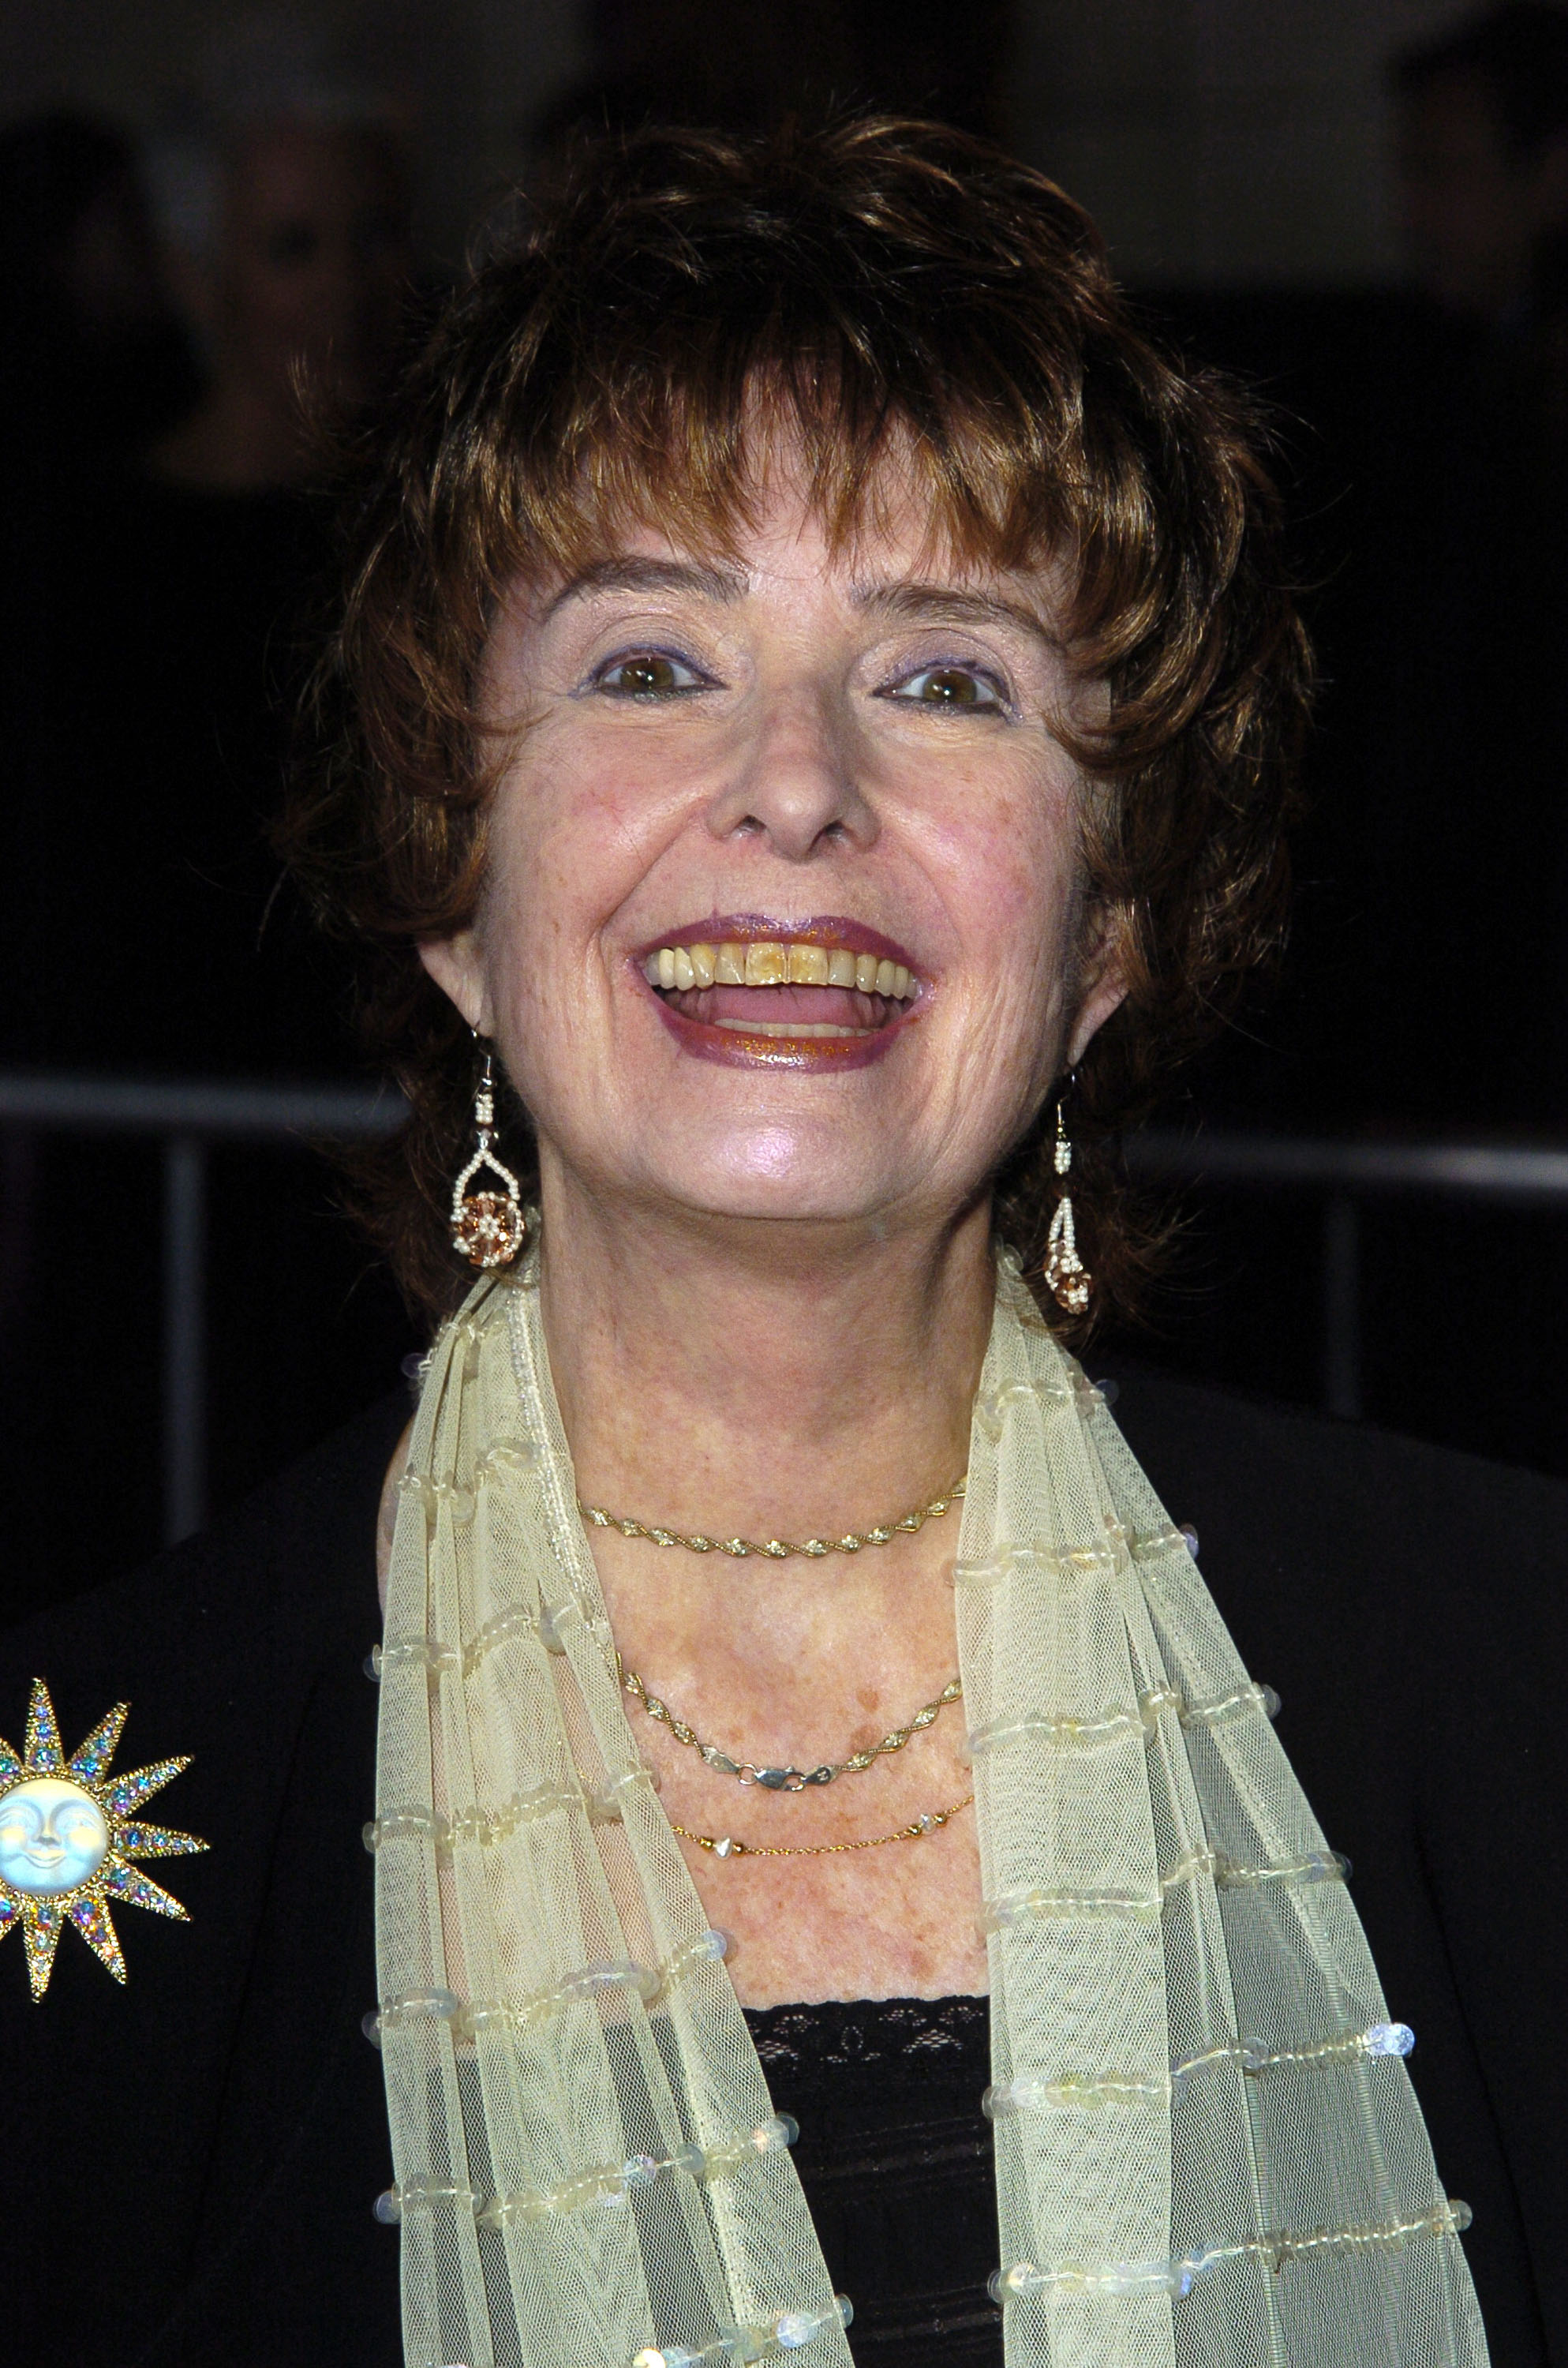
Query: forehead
[(48, 1794)]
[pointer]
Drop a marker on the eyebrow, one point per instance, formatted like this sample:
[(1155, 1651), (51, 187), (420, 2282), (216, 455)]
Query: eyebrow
[(945, 604), (621, 573), (928, 603)]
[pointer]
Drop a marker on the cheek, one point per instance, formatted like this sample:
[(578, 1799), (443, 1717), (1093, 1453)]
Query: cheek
[(565, 856), (1010, 864), (572, 827)]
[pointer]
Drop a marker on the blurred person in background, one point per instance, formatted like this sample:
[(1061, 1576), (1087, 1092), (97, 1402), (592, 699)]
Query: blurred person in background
[(1430, 468), (156, 622), (295, 258), (1481, 160), (1440, 445), (155, 751), (1453, 652), (1428, 989), (95, 359), (302, 286)]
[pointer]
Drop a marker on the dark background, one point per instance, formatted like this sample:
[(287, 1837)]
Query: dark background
[(168, 561)]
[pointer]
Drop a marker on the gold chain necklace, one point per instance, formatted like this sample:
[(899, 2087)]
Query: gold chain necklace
[(726, 1846), (784, 1780), (775, 1549)]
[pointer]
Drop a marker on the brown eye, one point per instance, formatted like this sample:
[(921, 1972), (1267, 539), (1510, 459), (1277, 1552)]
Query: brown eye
[(949, 687), (647, 675)]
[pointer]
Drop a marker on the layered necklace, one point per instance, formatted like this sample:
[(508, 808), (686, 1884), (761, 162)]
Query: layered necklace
[(771, 1777)]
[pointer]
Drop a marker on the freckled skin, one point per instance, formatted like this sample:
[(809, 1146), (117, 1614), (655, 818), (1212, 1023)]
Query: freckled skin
[(768, 1291)]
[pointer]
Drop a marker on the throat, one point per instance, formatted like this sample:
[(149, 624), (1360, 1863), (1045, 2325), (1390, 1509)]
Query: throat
[(761, 1380)]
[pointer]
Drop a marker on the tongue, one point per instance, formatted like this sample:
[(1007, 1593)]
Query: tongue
[(833, 1007)]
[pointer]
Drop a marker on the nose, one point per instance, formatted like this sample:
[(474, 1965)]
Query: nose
[(794, 779)]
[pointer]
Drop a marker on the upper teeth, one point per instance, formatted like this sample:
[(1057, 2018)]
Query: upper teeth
[(766, 962)]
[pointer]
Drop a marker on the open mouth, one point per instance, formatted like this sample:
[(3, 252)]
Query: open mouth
[(827, 997)]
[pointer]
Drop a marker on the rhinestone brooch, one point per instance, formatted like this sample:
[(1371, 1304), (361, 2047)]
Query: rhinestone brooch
[(69, 1835)]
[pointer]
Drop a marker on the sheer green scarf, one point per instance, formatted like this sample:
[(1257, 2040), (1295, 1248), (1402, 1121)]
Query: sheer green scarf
[(1207, 2151)]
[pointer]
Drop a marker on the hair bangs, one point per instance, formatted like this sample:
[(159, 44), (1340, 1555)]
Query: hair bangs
[(683, 436)]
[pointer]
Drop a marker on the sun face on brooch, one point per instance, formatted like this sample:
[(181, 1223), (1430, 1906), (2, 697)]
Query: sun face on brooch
[(69, 1832)]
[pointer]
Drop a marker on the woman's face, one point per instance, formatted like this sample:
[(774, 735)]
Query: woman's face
[(784, 916)]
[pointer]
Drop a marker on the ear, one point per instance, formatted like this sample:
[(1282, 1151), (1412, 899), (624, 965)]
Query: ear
[(1102, 977), (457, 966)]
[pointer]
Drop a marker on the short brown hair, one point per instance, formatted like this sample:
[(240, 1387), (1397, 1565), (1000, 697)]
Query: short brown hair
[(887, 287)]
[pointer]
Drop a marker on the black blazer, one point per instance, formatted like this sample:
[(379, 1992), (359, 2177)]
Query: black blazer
[(187, 2165)]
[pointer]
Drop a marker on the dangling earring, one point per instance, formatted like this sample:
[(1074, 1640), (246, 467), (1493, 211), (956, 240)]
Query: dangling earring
[(487, 1227), (1070, 1280)]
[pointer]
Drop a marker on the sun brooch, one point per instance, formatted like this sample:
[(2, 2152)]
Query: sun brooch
[(69, 1831)]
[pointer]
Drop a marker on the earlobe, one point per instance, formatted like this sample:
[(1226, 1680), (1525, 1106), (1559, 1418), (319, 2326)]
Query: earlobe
[(1093, 1013), (456, 965), (1103, 982)]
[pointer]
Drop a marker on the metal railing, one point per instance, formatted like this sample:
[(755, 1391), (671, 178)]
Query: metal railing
[(186, 1117), (1346, 1172)]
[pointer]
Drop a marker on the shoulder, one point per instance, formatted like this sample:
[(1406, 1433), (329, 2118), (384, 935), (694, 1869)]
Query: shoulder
[(1416, 1537), (1407, 1603), (1410, 1606), (227, 1649), (274, 1583)]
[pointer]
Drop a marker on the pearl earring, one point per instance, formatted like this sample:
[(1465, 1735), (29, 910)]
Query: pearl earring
[(1069, 1280), (487, 1227)]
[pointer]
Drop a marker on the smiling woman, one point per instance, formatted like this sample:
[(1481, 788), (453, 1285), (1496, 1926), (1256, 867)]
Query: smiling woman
[(813, 679), (1050, 550)]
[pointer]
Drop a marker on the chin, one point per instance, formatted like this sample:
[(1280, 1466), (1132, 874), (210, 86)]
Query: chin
[(783, 1200), (776, 1176)]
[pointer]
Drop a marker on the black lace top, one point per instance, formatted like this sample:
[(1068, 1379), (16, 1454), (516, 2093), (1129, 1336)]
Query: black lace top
[(895, 2158)]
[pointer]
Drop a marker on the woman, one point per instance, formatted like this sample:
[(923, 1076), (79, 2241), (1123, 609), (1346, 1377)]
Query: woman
[(808, 745)]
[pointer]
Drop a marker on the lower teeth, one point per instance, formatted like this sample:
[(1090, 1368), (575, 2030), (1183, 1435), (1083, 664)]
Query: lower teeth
[(788, 1027)]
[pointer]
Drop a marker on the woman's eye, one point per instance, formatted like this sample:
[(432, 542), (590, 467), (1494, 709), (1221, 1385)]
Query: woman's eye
[(949, 686), (647, 675)]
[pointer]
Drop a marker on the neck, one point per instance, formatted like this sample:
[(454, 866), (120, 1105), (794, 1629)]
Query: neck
[(763, 1379)]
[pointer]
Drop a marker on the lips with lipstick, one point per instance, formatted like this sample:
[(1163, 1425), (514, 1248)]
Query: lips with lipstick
[(831, 994)]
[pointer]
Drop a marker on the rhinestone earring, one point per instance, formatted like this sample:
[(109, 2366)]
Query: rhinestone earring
[(487, 1227), (1069, 1280)]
